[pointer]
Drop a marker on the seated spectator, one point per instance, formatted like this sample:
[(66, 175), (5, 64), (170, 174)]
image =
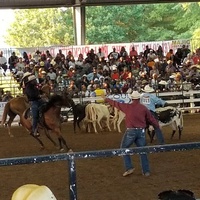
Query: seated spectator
[(125, 74), (100, 54), (160, 53), (170, 55), (133, 53), (69, 56), (188, 58), (91, 76), (79, 61), (115, 74), (194, 75), (143, 73), (113, 56), (66, 80), (170, 69), (171, 83), (20, 64), (71, 72), (90, 91), (18, 76), (154, 71), (151, 55), (150, 63), (117, 84), (52, 75), (72, 89), (83, 90)]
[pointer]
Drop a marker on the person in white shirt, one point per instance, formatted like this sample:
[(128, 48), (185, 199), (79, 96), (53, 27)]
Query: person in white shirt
[(100, 55), (52, 75), (20, 64), (3, 62)]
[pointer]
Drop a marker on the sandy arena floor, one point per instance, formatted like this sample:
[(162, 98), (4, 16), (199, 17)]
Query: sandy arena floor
[(101, 179)]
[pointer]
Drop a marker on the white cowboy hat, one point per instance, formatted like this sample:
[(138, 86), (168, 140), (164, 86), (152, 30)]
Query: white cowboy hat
[(135, 95), (114, 67), (31, 78), (162, 82), (172, 76), (147, 89), (26, 74)]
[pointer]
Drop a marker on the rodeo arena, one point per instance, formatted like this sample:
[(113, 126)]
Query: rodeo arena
[(93, 129)]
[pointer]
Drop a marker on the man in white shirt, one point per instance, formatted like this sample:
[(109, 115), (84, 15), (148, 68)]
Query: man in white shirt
[(52, 74), (3, 62), (100, 55)]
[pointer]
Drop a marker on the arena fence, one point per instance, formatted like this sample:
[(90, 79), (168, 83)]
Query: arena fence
[(71, 158)]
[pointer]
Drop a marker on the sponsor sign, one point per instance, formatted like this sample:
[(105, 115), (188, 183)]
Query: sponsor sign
[(122, 98)]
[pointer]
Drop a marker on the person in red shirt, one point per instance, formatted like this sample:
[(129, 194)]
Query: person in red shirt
[(137, 116), (133, 53), (126, 74), (115, 74)]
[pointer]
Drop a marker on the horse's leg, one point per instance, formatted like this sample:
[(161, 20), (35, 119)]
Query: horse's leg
[(75, 122), (9, 124), (49, 137), (41, 143), (61, 140)]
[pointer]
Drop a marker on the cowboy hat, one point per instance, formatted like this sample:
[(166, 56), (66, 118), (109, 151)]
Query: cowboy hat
[(134, 95), (31, 78), (26, 74), (162, 82), (147, 89), (194, 66)]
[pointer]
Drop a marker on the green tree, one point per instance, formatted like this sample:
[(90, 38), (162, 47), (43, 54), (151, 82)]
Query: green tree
[(41, 27), (106, 24)]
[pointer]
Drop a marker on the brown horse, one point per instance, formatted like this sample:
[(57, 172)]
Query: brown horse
[(14, 107), (50, 120), (17, 106)]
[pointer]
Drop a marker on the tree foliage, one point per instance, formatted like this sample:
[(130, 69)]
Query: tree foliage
[(106, 24), (41, 27)]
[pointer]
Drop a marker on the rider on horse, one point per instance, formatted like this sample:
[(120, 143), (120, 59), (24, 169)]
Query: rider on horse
[(34, 96)]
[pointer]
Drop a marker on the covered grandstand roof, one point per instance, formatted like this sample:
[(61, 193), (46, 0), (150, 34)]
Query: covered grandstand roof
[(71, 3)]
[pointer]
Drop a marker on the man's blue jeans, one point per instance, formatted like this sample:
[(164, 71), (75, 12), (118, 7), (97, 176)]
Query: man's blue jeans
[(135, 136), (35, 105)]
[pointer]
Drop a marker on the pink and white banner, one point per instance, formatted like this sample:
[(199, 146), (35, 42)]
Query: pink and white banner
[(106, 48)]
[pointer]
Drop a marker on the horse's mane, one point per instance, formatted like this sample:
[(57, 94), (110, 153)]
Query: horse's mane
[(55, 100)]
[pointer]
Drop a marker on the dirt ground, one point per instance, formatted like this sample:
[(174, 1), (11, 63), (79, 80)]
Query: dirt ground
[(101, 178)]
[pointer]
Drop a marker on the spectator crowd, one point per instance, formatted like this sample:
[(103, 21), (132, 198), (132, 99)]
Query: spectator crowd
[(118, 73)]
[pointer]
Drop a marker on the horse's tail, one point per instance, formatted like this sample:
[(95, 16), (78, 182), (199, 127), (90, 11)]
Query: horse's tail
[(5, 113)]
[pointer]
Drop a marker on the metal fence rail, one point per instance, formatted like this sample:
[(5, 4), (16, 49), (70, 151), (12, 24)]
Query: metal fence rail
[(71, 157)]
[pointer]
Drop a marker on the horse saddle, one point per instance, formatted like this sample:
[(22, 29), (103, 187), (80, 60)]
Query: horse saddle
[(42, 109)]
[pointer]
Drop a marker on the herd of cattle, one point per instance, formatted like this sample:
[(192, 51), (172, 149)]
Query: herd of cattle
[(100, 116)]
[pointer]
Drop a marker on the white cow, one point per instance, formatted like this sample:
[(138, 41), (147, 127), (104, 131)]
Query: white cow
[(117, 116), (95, 113), (170, 116), (167, 116)]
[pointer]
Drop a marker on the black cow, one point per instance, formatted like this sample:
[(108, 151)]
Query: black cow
[(169, 116), (79, 114)]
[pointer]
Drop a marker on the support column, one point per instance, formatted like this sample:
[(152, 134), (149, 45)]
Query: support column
[(79, 24)]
